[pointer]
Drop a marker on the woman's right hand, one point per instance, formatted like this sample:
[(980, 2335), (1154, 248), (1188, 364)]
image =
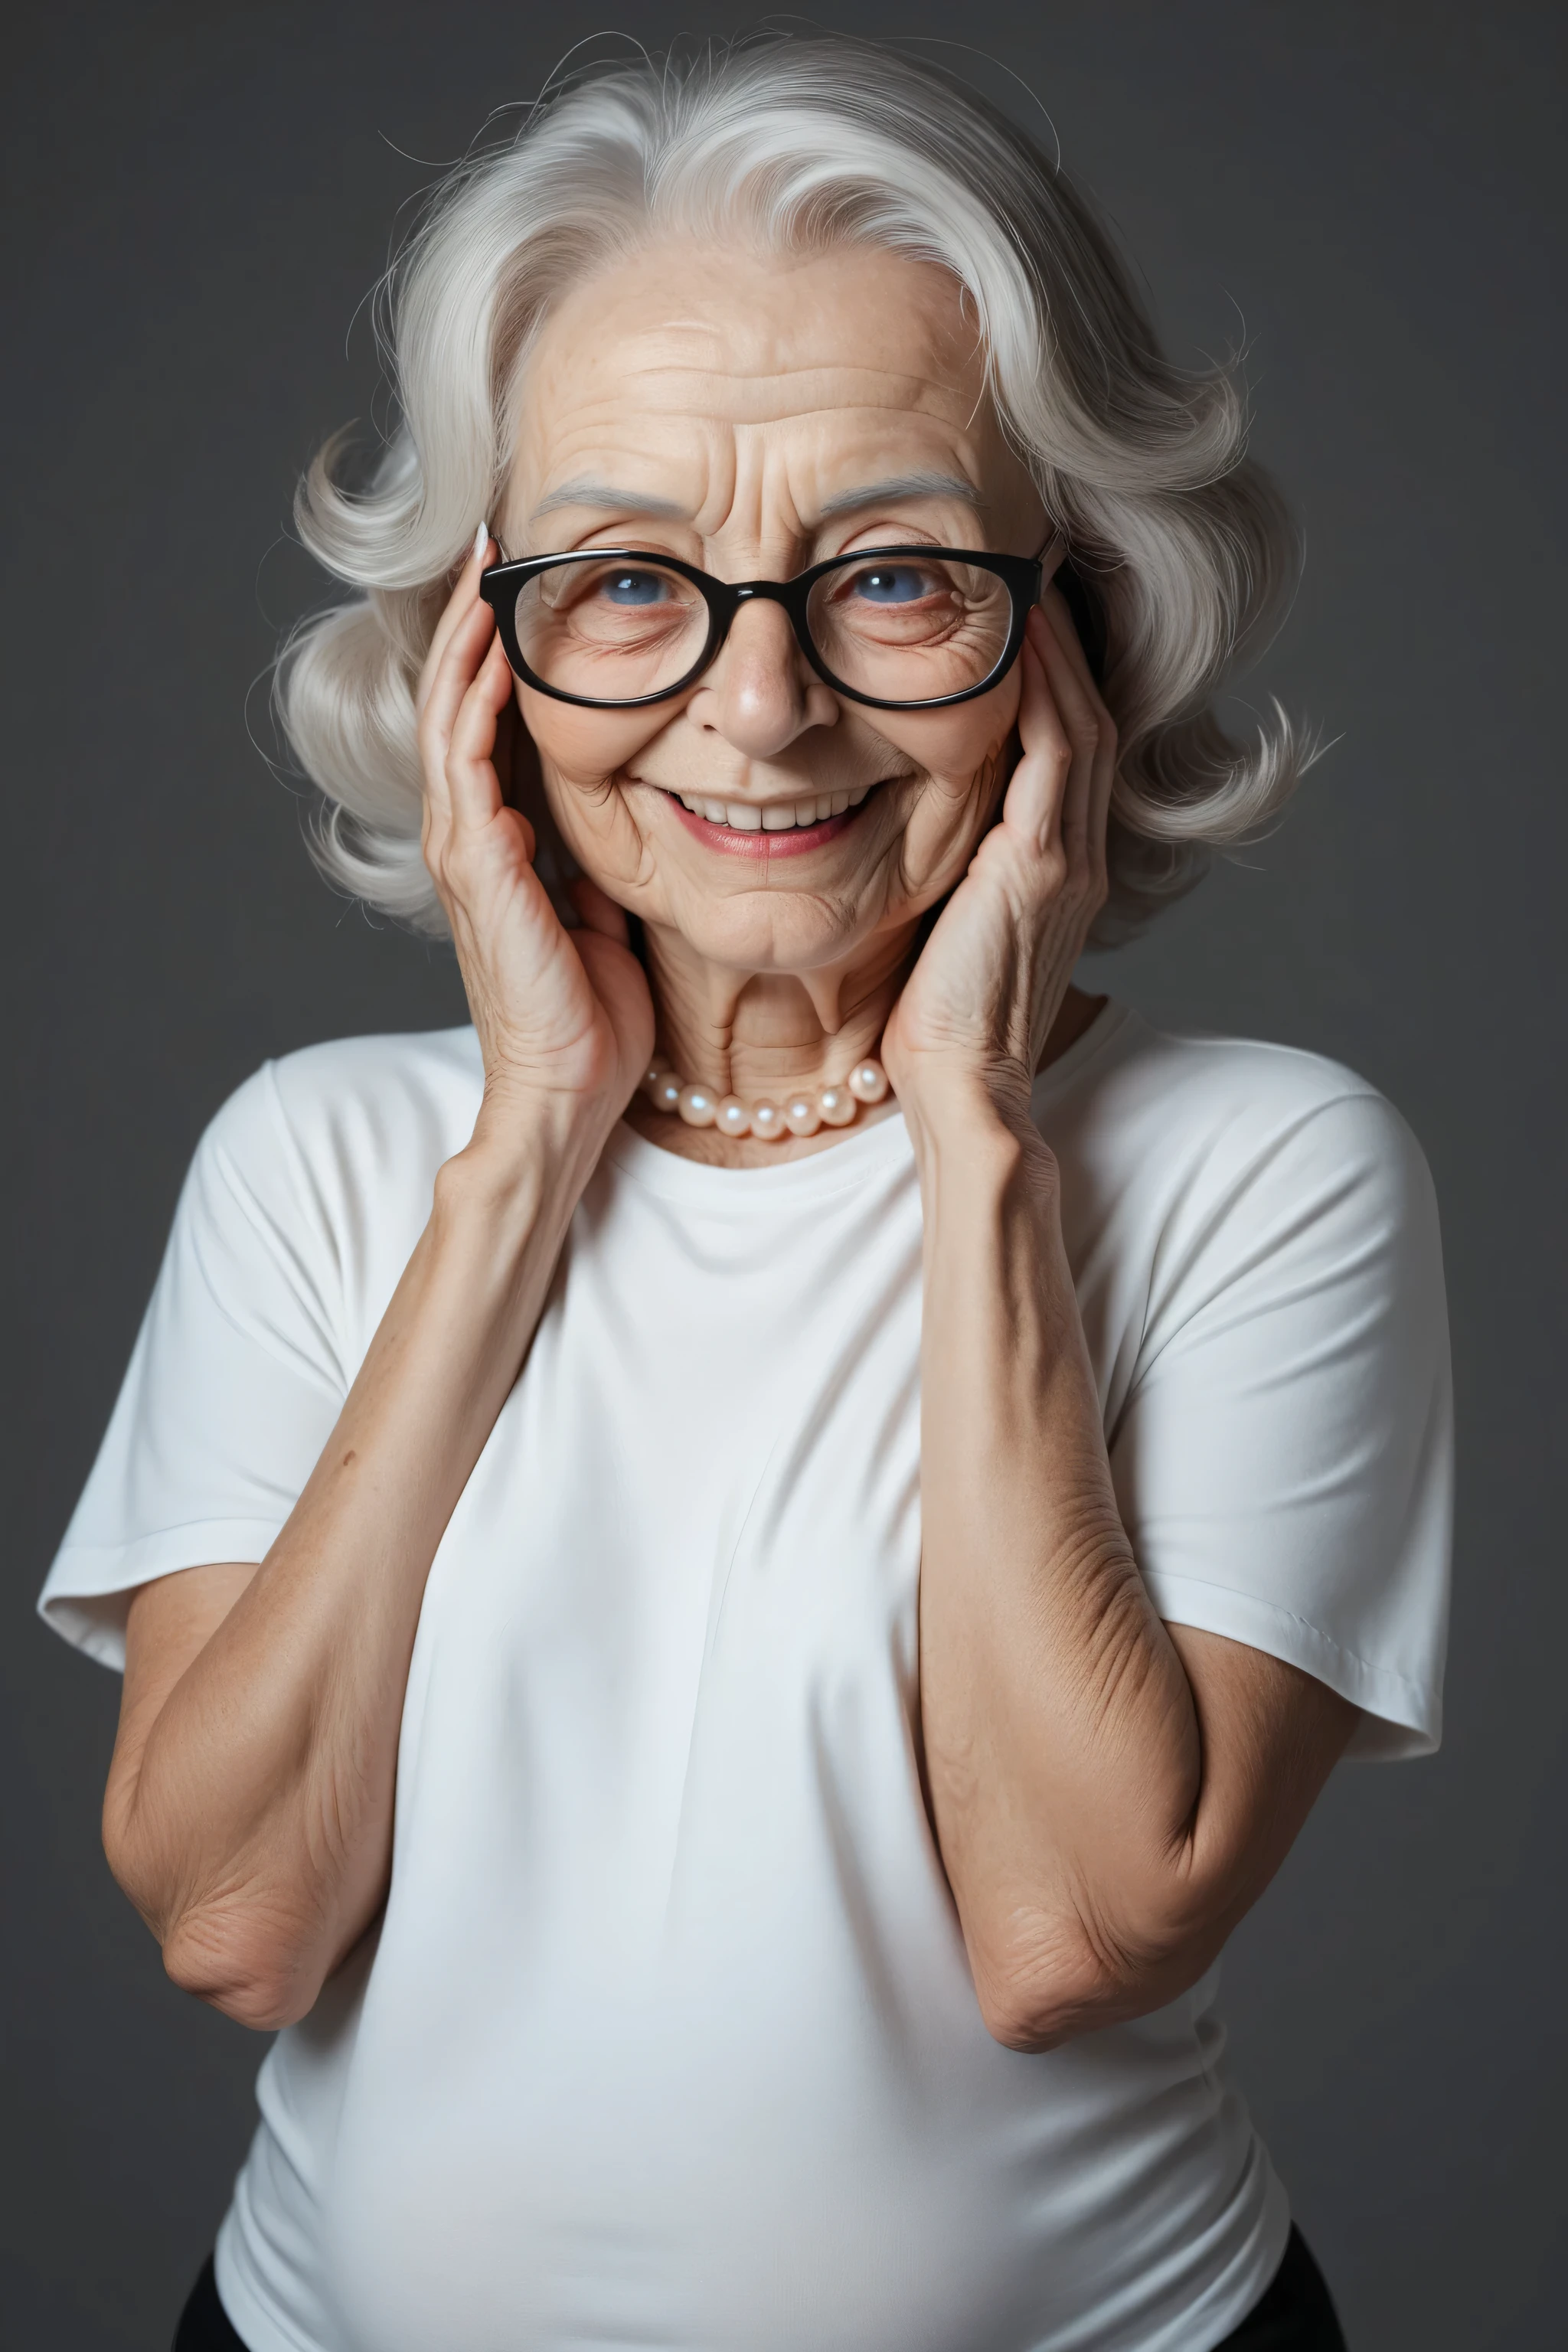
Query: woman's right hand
[(565, 1018), (250, 1804)]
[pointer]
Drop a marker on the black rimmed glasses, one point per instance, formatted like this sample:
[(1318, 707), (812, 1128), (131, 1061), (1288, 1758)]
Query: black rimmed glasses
[(898, 628)]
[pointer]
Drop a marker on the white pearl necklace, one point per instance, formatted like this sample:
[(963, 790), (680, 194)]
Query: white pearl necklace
[(797, 1114)]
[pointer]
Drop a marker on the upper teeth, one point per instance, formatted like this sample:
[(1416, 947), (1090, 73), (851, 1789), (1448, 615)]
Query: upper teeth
[(776, 816)]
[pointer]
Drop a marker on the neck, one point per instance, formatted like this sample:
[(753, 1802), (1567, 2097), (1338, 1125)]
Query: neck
[(753, 1033), (766, 1034)]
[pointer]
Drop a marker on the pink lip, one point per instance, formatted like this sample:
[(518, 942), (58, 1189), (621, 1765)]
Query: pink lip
[(794, 841)]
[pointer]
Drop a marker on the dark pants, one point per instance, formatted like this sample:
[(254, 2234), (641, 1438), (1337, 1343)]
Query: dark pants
[(1295, 2315)]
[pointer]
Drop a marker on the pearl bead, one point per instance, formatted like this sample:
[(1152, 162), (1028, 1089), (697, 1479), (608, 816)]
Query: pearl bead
[(802, 1114), (696, 1106)]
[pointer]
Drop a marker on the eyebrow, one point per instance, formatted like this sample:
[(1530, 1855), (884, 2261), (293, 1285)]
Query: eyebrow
[(904, 486), (602, 494), (588, 493)]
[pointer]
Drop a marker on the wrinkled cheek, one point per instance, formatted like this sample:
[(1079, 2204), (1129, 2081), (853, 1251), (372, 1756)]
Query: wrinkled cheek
[(962, 799), (939, 842), (600, 835), (587, 744), (957, 746), (579, 752)]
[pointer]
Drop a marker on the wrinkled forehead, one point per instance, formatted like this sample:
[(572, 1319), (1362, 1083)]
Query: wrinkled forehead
[(714, 358)]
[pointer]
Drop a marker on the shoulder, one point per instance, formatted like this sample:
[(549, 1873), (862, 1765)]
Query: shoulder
[(340, 1122), (1208, 1159), (323, 1089), (1194, 1108), (1260, 1257)]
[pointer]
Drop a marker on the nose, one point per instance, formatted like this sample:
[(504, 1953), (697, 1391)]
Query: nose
[(762, 694)]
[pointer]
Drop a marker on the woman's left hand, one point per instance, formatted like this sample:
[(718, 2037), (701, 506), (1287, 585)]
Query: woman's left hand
[(980, 1002)]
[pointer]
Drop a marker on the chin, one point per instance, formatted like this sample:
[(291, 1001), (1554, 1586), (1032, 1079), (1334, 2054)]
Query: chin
[(765, 929), (770, 931)]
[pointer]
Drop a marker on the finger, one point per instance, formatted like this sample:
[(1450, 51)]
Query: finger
[(472, 784), (1033, 803), (470, 644), (598, 911), (465, 595), (1086, 721), (1063, 627), (465, 587), (1066, 633)]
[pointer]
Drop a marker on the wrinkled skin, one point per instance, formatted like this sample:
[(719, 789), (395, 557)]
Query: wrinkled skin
[(719, 407)]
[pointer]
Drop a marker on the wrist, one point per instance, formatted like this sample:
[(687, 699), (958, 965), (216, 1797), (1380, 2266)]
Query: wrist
[(960, 1108), (557, 1133), (521, 1174), (979, 1172)]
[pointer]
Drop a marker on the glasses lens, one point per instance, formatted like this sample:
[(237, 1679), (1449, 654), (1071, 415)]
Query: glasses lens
[(910, 628), (611, 627)]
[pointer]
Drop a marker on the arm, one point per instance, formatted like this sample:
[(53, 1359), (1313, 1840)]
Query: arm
[(248, 1812), (1109, 1795)]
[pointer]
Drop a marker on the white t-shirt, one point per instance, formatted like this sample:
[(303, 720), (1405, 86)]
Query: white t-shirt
[(668, 2037)]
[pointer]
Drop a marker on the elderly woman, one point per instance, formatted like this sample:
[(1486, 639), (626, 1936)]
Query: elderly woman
[(731, 1579)]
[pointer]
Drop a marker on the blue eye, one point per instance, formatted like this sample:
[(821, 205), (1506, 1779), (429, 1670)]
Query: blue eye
[(893, 583), (632, 587)]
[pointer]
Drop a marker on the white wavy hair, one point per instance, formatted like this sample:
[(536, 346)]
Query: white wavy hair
[(1183, 555)]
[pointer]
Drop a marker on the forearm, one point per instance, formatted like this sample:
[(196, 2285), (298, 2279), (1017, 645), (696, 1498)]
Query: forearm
[(1061, 1738), (250, 1817)]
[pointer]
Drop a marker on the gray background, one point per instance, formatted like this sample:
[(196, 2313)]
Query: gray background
[(199, 198)]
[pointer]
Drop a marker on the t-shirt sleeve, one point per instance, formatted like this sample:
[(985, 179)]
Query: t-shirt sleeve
[(236, 1382), (1284, 1459)]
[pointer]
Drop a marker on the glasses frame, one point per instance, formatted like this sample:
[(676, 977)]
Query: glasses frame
[(1021, 575)]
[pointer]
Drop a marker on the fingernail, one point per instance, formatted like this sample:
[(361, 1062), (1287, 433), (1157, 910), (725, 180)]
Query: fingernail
[(481, 540)]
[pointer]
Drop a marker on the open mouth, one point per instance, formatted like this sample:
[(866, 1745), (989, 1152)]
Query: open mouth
[(772, 829)]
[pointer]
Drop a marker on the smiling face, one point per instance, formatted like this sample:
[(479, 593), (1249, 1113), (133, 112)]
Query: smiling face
[(754, 416)]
